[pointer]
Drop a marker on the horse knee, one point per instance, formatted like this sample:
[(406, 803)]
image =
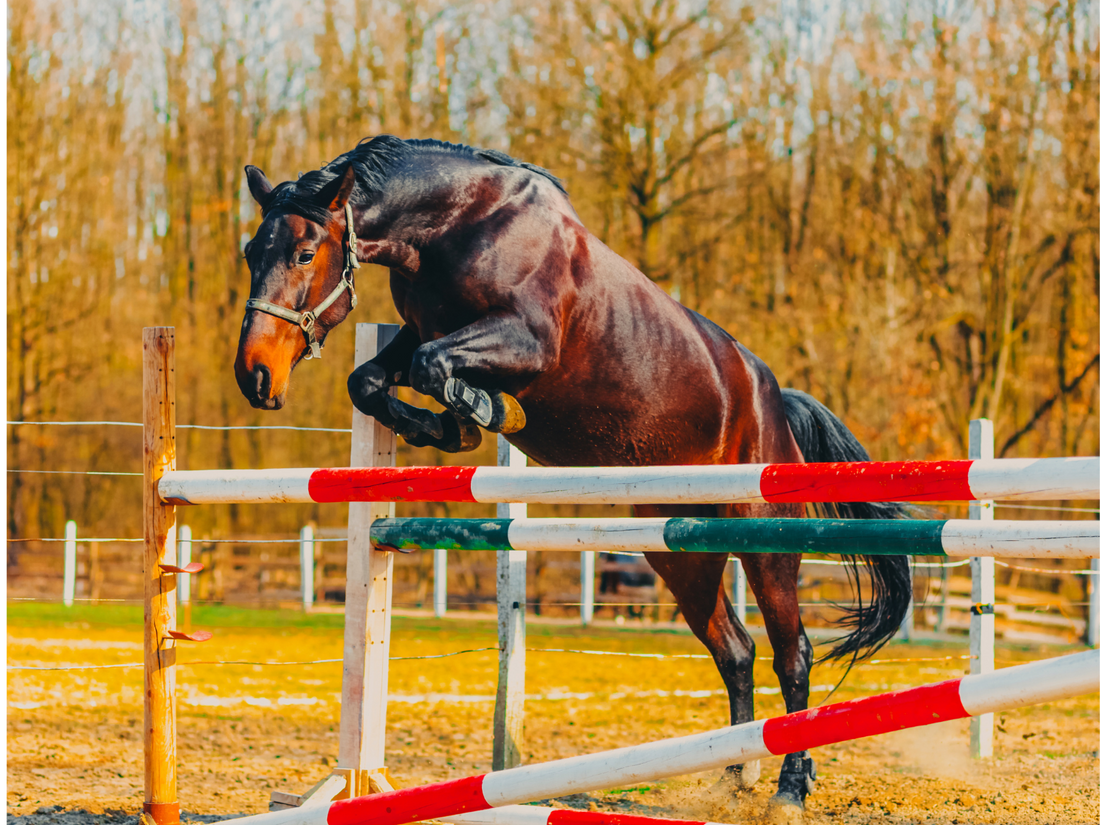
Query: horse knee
[(742, 651), (430, 368), (797, 661), (366, 381)]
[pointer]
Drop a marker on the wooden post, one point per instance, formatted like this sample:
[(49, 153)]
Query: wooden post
[(439, 597), (306, 563), (981, 597), (588, 586), (68, 582), (368, 600), (159, 522), (511, 632)]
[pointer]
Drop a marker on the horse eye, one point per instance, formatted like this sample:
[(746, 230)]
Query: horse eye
[(305, 257)]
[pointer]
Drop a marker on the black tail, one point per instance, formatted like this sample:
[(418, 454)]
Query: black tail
[(823, 437)]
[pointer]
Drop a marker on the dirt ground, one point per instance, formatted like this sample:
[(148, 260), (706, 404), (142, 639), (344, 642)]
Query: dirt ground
[(74, 736)]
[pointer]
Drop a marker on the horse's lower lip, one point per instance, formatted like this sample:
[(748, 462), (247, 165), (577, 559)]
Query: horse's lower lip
[(267, 403)]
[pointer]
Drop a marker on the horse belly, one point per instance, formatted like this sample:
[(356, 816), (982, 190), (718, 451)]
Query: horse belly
[(625, 421)]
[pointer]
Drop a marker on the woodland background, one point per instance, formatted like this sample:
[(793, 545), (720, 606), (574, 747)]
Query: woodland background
[(894, 204)]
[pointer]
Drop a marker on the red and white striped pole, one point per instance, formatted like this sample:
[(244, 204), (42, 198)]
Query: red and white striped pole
[(1005, 479), (535, 815), (1044, 681), (538, 815)]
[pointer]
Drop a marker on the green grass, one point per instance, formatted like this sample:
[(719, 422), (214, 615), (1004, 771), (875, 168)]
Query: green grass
[(462, 627), (41, 614)]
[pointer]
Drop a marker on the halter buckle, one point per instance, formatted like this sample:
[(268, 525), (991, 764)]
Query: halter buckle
[(307, 322)]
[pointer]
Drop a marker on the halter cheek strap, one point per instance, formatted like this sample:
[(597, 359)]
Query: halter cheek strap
[(308, 320)]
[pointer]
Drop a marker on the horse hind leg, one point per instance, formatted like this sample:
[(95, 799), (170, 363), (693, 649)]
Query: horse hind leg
[(695, 580), (735, 664), (774, 580)]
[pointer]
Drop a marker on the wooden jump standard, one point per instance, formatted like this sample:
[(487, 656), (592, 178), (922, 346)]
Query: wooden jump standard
[(954, 537), (1045, 681), (360, 761)]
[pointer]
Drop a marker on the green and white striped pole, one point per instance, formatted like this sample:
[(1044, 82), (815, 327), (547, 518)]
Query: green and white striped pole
[(954, 537)]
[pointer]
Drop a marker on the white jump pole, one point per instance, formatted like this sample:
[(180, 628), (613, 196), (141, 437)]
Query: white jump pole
[(183, 583), (306, 563), (1045, 681), (439, 596), (588, 586), (68, 584), (740, 590), (906, 631), (1094, 603), (511, 631), (981, 596)]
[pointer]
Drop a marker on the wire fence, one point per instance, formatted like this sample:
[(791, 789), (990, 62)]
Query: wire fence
[(934, 565), (178, 426), (536, 650)]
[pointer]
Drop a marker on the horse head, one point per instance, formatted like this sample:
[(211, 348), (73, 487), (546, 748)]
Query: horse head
[(301, 260)]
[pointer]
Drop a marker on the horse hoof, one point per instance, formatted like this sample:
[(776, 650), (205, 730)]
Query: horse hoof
[(461, 435), (411, 422), (508, 415), (810, 777), (784, 809), (742, 777)]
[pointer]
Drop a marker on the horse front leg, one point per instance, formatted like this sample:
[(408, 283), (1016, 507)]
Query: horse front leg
[(464, 370), (369, 386)]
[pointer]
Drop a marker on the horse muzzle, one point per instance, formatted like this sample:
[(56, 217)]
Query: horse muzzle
[(255, 384)]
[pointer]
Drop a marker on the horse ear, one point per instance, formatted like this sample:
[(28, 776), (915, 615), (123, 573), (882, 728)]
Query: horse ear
[(337, 191), (258, 185)]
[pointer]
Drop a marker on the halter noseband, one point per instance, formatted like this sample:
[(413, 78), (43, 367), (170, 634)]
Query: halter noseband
[(308, 320)]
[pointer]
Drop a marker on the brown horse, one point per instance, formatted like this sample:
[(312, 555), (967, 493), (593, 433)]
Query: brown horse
[(500, 285)]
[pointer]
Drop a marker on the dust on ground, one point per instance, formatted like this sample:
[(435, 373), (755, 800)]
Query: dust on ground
[(75, 744)]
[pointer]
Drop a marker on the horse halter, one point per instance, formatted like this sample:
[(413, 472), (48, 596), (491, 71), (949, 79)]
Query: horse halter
[(308, 320)]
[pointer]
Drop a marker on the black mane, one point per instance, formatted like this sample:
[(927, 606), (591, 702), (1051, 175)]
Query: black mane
[(374, 161)]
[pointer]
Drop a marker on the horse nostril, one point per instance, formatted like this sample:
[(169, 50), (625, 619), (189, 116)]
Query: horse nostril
[(263, 380)]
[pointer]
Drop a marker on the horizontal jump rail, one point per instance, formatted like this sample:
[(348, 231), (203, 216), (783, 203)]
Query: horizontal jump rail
[(1006, 479), (954, 537), (536, 815), (1013, 687)]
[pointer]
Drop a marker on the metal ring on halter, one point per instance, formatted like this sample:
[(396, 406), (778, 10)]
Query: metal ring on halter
[(308, 320)]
